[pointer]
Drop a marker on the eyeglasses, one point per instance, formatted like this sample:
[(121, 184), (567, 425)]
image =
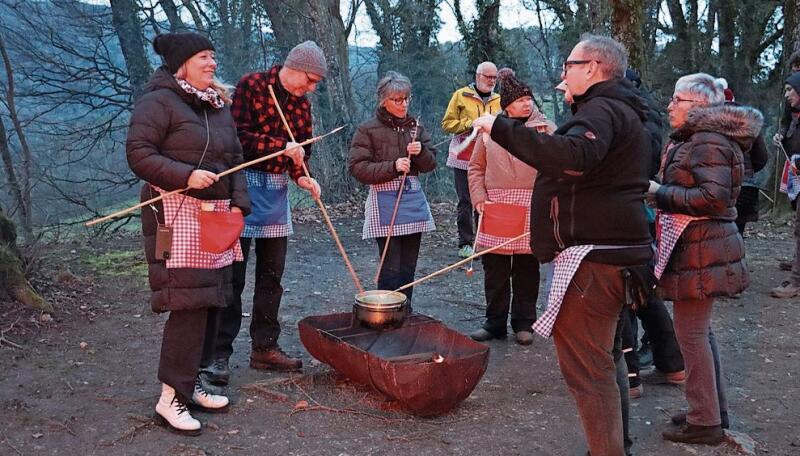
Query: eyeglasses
[(401, 100), (568, 63), (677, 100), (490, 77), (312, 80)]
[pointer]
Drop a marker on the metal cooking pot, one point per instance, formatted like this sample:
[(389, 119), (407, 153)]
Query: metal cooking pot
[(381, 309)]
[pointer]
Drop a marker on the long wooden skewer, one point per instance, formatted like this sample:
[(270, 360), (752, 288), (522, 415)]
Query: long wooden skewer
[(224, 173), (475, 242), (394, 212), (319, 200), (464, 261)]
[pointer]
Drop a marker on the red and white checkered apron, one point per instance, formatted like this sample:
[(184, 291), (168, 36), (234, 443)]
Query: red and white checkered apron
[(669, 228), (517, 197), (455, 143), (185, 251), (565, 265), (372, 219)]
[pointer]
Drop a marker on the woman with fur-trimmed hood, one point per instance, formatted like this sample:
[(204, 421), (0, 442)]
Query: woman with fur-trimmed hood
[(701, 253)]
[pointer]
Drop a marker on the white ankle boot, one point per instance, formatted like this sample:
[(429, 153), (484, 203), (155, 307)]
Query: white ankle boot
[(204, 401), (173, 414)]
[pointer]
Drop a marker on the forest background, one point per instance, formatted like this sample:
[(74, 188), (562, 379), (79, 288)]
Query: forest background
[(71, 71)]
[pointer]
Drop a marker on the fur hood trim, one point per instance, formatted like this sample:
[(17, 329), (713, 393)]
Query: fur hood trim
[(739, 123)]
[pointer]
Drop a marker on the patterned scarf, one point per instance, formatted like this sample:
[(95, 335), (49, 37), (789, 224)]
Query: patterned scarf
[(209, 95)]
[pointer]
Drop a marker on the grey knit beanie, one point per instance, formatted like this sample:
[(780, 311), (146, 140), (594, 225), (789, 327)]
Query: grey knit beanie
[(307, 56)]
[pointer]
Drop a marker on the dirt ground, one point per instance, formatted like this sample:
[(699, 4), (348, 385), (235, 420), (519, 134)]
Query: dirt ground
[(83, 381)]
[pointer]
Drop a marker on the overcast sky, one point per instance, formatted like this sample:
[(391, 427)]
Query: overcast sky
[(512, 15)]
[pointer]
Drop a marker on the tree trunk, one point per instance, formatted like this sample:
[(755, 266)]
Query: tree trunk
[(25, 185), (12, 279), (627, 22), (727, 42), (175, 22), (125, 17), (483, 37), (321, 21), (13, 182), (796, 29)]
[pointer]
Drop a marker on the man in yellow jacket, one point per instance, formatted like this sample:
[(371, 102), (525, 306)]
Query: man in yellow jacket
[(467, 104)]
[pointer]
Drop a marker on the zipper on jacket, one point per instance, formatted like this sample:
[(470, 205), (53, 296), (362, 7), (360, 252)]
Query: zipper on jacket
[(554, 218), (572, 213)]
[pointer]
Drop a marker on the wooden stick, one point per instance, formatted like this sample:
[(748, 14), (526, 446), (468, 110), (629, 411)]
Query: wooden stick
[(477, 232), (465, 260), (318, 200), (391, 228), (224, 173)]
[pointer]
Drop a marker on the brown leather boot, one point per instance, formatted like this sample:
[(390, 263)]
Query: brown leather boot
[(274, 359), (680, 418), (704, 435)]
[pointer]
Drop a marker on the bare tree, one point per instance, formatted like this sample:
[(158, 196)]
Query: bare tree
[(173, 16), (125, 17), (483, 36), (22, 186), (628, 27)]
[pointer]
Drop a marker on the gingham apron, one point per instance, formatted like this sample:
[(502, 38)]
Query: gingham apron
[(181, 213), (452, 157), (669, 228), (267, 184), (374, 228), (790, 182), (565, 265), (517, 197)]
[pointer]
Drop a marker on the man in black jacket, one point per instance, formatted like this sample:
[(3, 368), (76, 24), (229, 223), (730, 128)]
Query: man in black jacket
[(588, 198)]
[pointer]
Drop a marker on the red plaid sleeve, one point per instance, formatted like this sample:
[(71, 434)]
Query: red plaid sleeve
[(258, 125)]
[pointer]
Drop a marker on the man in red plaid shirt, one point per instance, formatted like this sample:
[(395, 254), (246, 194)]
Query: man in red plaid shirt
[(261, 133)]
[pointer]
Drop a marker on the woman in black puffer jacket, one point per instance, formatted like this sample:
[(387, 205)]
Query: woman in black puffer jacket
[(182, 135), (701, 176)]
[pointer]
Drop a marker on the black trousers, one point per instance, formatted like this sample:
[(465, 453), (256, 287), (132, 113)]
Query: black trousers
[(400, 263), (264, 325), (657, 325), (505, 274), (464, 220), (187, 343), (659, 334)]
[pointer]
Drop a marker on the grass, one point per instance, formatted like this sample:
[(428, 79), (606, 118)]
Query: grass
[(119, 263)]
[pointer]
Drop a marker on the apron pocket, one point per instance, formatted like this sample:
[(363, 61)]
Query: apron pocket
[(219, 230), (413, 207), (504, 220), (269, 206)]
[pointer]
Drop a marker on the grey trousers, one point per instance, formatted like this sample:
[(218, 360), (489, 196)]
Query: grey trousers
[(700, 356)]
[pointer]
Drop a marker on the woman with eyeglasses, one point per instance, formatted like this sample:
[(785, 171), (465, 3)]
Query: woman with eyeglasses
[(700, 250), (386, 148)]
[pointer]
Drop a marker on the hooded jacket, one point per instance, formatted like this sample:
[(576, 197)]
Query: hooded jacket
[(592, 175), (702, 177), (166, 138), (465, 106), (492, 167)]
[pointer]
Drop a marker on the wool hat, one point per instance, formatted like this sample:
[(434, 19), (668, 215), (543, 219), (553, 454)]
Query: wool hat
[(511, 88), (729, 96), (177, 48), (794, 81), (308, 57)]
